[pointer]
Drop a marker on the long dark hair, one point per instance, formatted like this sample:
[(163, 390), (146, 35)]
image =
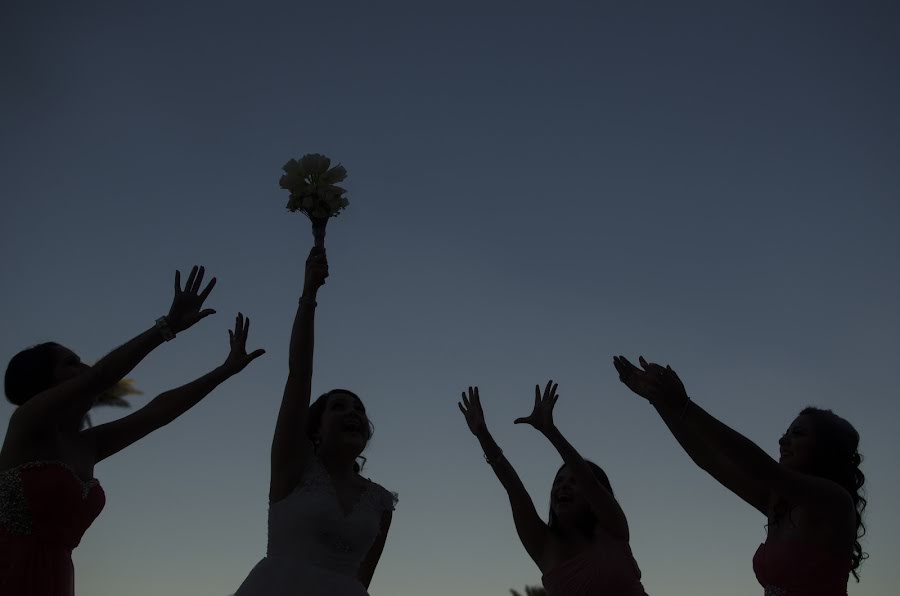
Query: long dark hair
[(837, 458), (30, 372), (588, 523), (314, 421)]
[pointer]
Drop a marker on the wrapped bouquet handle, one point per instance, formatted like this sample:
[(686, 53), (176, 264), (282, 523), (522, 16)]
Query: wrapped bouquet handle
[(312, 183)]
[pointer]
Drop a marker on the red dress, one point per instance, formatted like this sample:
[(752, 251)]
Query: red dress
[(45, 508), (791, 568), (606, 569)]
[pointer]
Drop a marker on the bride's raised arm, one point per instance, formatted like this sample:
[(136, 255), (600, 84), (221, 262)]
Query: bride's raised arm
[(291, 448)]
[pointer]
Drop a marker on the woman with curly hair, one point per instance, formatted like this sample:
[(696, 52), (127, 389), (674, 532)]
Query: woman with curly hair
[(810, 496)]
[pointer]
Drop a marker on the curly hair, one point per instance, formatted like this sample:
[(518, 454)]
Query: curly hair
[(314, 420), (30, 372), (837, 458)]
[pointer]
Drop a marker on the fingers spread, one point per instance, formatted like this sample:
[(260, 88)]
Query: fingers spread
[(190, 280), (196, 286), (207, 290)]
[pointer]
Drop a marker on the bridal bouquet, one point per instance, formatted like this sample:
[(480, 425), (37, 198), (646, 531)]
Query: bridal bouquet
[(312, 183)]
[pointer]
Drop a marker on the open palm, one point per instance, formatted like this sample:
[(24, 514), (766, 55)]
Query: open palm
[(541, 416)]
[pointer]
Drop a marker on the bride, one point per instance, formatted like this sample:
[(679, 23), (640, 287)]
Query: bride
[(327, 524)]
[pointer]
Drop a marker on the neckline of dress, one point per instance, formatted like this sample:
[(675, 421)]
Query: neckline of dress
[(86, 485), (330, 481)]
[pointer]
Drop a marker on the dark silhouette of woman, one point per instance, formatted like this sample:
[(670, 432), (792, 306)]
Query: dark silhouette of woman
[(811, 496), (48, 493), (583, 550)]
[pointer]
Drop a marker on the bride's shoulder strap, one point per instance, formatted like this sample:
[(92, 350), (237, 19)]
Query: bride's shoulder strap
[(389, 499)]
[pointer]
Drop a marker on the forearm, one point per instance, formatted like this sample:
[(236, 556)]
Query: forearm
[(110, 438), (171, 404), (501, 466), (300, 354), (711, 443), (571, 457), (531, 529)]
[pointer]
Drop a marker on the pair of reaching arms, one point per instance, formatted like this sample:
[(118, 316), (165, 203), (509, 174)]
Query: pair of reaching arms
[(63, 405), (533, 532), (732, 459)]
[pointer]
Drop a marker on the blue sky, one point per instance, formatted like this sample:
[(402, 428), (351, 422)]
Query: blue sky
[(714, 186)]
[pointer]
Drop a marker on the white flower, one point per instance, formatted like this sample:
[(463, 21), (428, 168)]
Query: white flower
[(315, 163), (313, 186), (335, 174)]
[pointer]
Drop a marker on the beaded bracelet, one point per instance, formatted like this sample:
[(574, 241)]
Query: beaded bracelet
[(494, 459), (162, 325)]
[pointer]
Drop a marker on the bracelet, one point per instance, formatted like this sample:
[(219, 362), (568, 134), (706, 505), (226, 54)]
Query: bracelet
[(494, 459), (308, 300), (162, 325)]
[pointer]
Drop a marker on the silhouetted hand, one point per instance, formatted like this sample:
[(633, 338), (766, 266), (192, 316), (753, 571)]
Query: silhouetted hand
[(238, 358), (316, 271), (658, 385), (185, 309), (471, 409), (541, 416)]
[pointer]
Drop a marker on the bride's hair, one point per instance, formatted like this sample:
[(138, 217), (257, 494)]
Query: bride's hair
[(314, 420)]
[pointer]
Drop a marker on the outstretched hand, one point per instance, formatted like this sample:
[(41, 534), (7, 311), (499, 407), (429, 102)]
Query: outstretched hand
[(238, 358), (186, 306), (657, 384), (471, 408), (541, 416)]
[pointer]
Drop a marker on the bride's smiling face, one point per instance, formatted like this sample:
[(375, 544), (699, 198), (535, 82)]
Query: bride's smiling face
[(344, 423)]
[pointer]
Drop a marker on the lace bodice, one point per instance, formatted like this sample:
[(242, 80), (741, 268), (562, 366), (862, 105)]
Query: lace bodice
[(310, 525), (48, 500)]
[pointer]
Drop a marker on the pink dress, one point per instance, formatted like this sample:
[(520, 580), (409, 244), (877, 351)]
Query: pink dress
[(45, 508), (606, 569), (790, 568)]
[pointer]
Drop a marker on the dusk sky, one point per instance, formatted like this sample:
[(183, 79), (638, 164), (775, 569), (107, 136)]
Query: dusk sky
[(533, 189)]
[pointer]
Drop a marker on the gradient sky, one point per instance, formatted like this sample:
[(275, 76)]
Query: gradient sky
[(532, 191)]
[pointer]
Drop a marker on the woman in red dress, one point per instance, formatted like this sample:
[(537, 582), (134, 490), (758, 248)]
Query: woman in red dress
[(811, 496), (584, 549), (48, 494)]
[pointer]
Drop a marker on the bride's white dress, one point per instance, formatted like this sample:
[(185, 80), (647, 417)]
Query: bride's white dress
[(315, 548)]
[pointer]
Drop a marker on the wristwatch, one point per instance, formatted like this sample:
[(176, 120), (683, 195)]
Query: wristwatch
[(162, 325)]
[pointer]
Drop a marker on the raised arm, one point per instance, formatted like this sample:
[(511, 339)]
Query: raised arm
[(290, 446), (532, 530), (112, 437), (734, 460), (604, 505), (77, 395)]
